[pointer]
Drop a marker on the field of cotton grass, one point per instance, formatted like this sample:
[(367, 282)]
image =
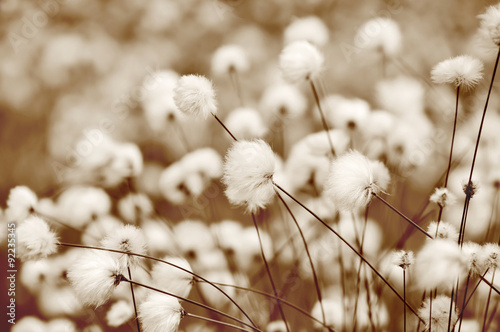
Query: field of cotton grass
[(271, 166)]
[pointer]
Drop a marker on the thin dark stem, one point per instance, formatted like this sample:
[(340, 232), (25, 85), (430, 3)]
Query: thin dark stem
[(350, 247), (403, 216), (404, 298), (269, 272), (451, 308), (224, 126), (186, 314), (488, 302), (315, 277), (323, 120), (133, 299), (164, 262), (358, 274), (452, 139), (190, 301), (291, 305), (463, 303)]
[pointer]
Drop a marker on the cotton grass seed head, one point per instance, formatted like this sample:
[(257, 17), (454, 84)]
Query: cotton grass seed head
[(443, 197), (195, 95), (119, 313), (171, 279), (95, 276), (129, 239), (20, 202), (489, 30), (160, 313), (440, 313), (403, 259), (445, 231), (300, 61), (309, 28), (35, 240), (463, 71), (353, 179), (491, 252), (229, 58), (476, 258), (249, 167)]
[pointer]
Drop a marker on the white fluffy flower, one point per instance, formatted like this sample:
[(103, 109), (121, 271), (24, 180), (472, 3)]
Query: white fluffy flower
[(193, 237), (445, 231), (34, 274), (345, 113), (283, 100), (129, 239), (309, 28), (248, 174), (159, 237), (214, 297), (353, 179), (401, 95), (491, 252), (29, 324), (99, 229), (206, 161), (462, 71), (246, 123), (160, 313), (276, 326), (79, 205), (172, 279), (403, 259), (489, 30), (135, 206), (443, 197), (195, 95), (61, 325), (119, 313), (20, 202), (476, 258), (229, 57), (300, 61), (380, 33), (440, 313), (94, 276), (35, 240)]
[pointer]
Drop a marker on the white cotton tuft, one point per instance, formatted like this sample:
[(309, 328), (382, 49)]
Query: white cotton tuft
[(309, 28), (246, 123), (476, 258), (401, 95), (334, 313), (195, 95), (160, 313), (283, 100), (463, 71), (214, 297), (134, 207), (159, 237), (20, 202), (94, 277), (491, 252), (438, 265), (61, 325), (443, 197), (171, 184), (119, 313), (377, 124), (35, 240), (353, 179), (445, 231), (248, 174), (29, 324), (403, 259), (344, 113), (440, 313), (128, 239), (172, 279), (99, 229), (194, 238), (80, 205), (489, 29), (34, 274), (248, 252), (380, 33), (276, 326), (229, 58), (300, 61)]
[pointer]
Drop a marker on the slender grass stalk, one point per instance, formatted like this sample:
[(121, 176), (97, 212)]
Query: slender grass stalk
[(123, 278), (451, 308), (403, 216), (468, 191), (404, 298), (323, 120), (358, 273), (133, 299), (463, 303), (315, 277), (271, 280), (72, 245), (350, 247), (224, 126), (187, 314), (488, 301), (291, 305)]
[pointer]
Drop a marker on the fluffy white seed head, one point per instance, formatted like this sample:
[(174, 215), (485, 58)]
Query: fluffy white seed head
[(195, 95), (160, 313), (491, 252), (345, 113), (300, 61), (99, 229), (445, 231), (380, 33), (172, 279), (29, 323), (94, 276), (246, 123), (309, 28), (34, 274), (35, 240), (61, 325), (20, 202), (463, 71), (129, 239), (119, 313), (276, 326), (249, 167), (443, 197), (80, 205), (283, 100), (401, 95), (403, 259), (353, 179), (440, 313), (194, 238), (134, 207), (229, 58), (476, 258), (489, 30)]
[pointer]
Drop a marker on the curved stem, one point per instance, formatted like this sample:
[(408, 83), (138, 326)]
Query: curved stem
[(133, 299), (224, 126), (164, 262), (323, 120)]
